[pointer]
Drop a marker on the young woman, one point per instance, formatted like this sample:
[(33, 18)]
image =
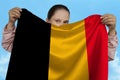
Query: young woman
[(59, 15)]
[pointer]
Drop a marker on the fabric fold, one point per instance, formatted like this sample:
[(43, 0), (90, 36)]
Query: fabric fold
[(75, 51)]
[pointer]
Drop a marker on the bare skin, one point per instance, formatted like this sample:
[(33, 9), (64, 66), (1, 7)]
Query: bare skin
[(110, 21), (62, 17), (14, 14), (59, 18)]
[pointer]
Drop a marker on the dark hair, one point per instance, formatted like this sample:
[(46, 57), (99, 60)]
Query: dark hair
[(54, 8)]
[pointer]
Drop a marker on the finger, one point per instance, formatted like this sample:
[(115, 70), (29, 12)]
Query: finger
[(16, 15), (109, 23), (109, 20), (17, 8), (107, 15), (104, 19), (16, 11)]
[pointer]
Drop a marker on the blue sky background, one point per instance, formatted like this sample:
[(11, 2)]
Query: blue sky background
[(79, 9)]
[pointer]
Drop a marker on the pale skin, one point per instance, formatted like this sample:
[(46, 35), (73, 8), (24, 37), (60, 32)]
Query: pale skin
[(62, 17)]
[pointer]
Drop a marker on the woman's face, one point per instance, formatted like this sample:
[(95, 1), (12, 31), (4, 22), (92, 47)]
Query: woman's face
[(59, 18)]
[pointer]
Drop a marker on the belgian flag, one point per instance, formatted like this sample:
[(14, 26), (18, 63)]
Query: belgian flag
[(43, 51)]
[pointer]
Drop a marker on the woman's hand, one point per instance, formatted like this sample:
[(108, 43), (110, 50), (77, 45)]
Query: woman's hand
[(14, 14), (110, 21)]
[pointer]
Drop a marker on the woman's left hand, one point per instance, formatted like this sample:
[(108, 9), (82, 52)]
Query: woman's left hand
[(110, 21)]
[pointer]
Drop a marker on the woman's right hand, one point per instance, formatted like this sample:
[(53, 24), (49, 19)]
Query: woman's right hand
[(14, 14)]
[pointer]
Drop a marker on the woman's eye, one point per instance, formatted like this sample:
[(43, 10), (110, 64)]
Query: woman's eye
[(66, 22), (57, 20)]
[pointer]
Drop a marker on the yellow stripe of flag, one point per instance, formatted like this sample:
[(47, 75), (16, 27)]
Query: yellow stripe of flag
[(68, 54)]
